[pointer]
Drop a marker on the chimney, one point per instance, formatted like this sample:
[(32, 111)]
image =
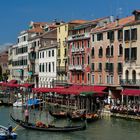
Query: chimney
[(117, 21), (111, 19)]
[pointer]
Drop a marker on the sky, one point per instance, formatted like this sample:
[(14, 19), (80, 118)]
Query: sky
[(15, 15)]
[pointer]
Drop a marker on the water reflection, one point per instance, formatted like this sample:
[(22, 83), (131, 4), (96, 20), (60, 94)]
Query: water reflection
[(105, 129)]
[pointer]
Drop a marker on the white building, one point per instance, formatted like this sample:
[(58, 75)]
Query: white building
[(47, 59)]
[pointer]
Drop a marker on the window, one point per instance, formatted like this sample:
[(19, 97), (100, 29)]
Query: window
[(88, 77), (110, 35), (78, 76), (49, 67), (99, 36), (92, 66), (111, 79), (52, 52), (107, 79), (88, 60), (40, 68), (107, 51), (133, 53), (82, 44), (59, 29), (65, 27), (43, 67), (100, 52), (65, 52), (73, 61), (100, 79), (120, 50), (78, 61), (58, 53), (88, 44), (46, 67), (83, 60), (92, 38), (112, 50), (120, 67), (92, 52), (82, 76), (49, 53), (127, 35), (42, 54), (120, 34), (100, 66), (134, 34), (92, 79), (53, 66), (126, 54)]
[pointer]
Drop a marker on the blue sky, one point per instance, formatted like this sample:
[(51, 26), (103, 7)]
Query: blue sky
[(15, 15)]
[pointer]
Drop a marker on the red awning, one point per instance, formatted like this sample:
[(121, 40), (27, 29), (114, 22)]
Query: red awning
[(131, 92), (27, 85), (99, 89), (12, 82), (13, 85)]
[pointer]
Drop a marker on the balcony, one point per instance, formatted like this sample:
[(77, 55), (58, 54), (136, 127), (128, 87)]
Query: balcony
[(76, 67), (61, 69), (79, 36), (76, 50), (130, 82)]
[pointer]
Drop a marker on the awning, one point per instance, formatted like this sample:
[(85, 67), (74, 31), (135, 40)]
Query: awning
[(27, 85), (99, 89), (131, 92), (12, 82)]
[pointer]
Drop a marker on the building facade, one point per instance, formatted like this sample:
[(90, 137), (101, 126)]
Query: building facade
[(62, 50), (79, 52), (47, 59)]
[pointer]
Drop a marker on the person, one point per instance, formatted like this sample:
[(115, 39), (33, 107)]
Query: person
[(26, 114), (10, 128)]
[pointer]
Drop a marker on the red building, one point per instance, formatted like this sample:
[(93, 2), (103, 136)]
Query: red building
[(79, 52)]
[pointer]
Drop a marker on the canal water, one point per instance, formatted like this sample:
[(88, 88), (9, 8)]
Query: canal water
[(104, 129)]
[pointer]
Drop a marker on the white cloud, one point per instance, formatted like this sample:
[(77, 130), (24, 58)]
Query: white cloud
[(4, 46)]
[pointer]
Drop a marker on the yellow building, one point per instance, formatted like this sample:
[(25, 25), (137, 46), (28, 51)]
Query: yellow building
[(62, 59)]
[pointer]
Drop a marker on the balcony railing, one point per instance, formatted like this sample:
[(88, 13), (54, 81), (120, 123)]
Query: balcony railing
[(79, 36), (61, 69), (131, 82), (76, 67), (75, 50)]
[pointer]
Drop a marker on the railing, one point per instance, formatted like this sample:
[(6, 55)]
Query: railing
[(74, 50), (130, 82), (76, 67), (79, 36), (61, 69)]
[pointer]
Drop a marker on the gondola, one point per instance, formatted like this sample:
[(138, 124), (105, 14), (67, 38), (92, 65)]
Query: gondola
[(58, 115), (50, 128)]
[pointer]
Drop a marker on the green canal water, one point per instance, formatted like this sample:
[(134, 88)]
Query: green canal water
[(105, 129)]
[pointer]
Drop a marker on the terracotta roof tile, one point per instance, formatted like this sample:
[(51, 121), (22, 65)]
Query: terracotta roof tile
[(113, 25)]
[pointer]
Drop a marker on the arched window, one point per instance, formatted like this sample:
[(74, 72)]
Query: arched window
[(92, 52), (126, 76), (112, 50), (49, 67), (88, 60), (100, 52), (134, 77), (120, 50), (107, 51)]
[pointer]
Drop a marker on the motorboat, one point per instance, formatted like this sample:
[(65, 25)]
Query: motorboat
[(5, 135)]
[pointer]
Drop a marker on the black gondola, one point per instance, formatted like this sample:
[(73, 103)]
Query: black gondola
[(50, 128), (58, 115)]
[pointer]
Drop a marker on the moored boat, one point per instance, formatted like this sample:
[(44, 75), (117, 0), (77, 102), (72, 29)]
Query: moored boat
[(50, 128), (58, 115), (5, 135)]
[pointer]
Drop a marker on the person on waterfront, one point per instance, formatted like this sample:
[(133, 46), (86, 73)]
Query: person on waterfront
[(26, 114)]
